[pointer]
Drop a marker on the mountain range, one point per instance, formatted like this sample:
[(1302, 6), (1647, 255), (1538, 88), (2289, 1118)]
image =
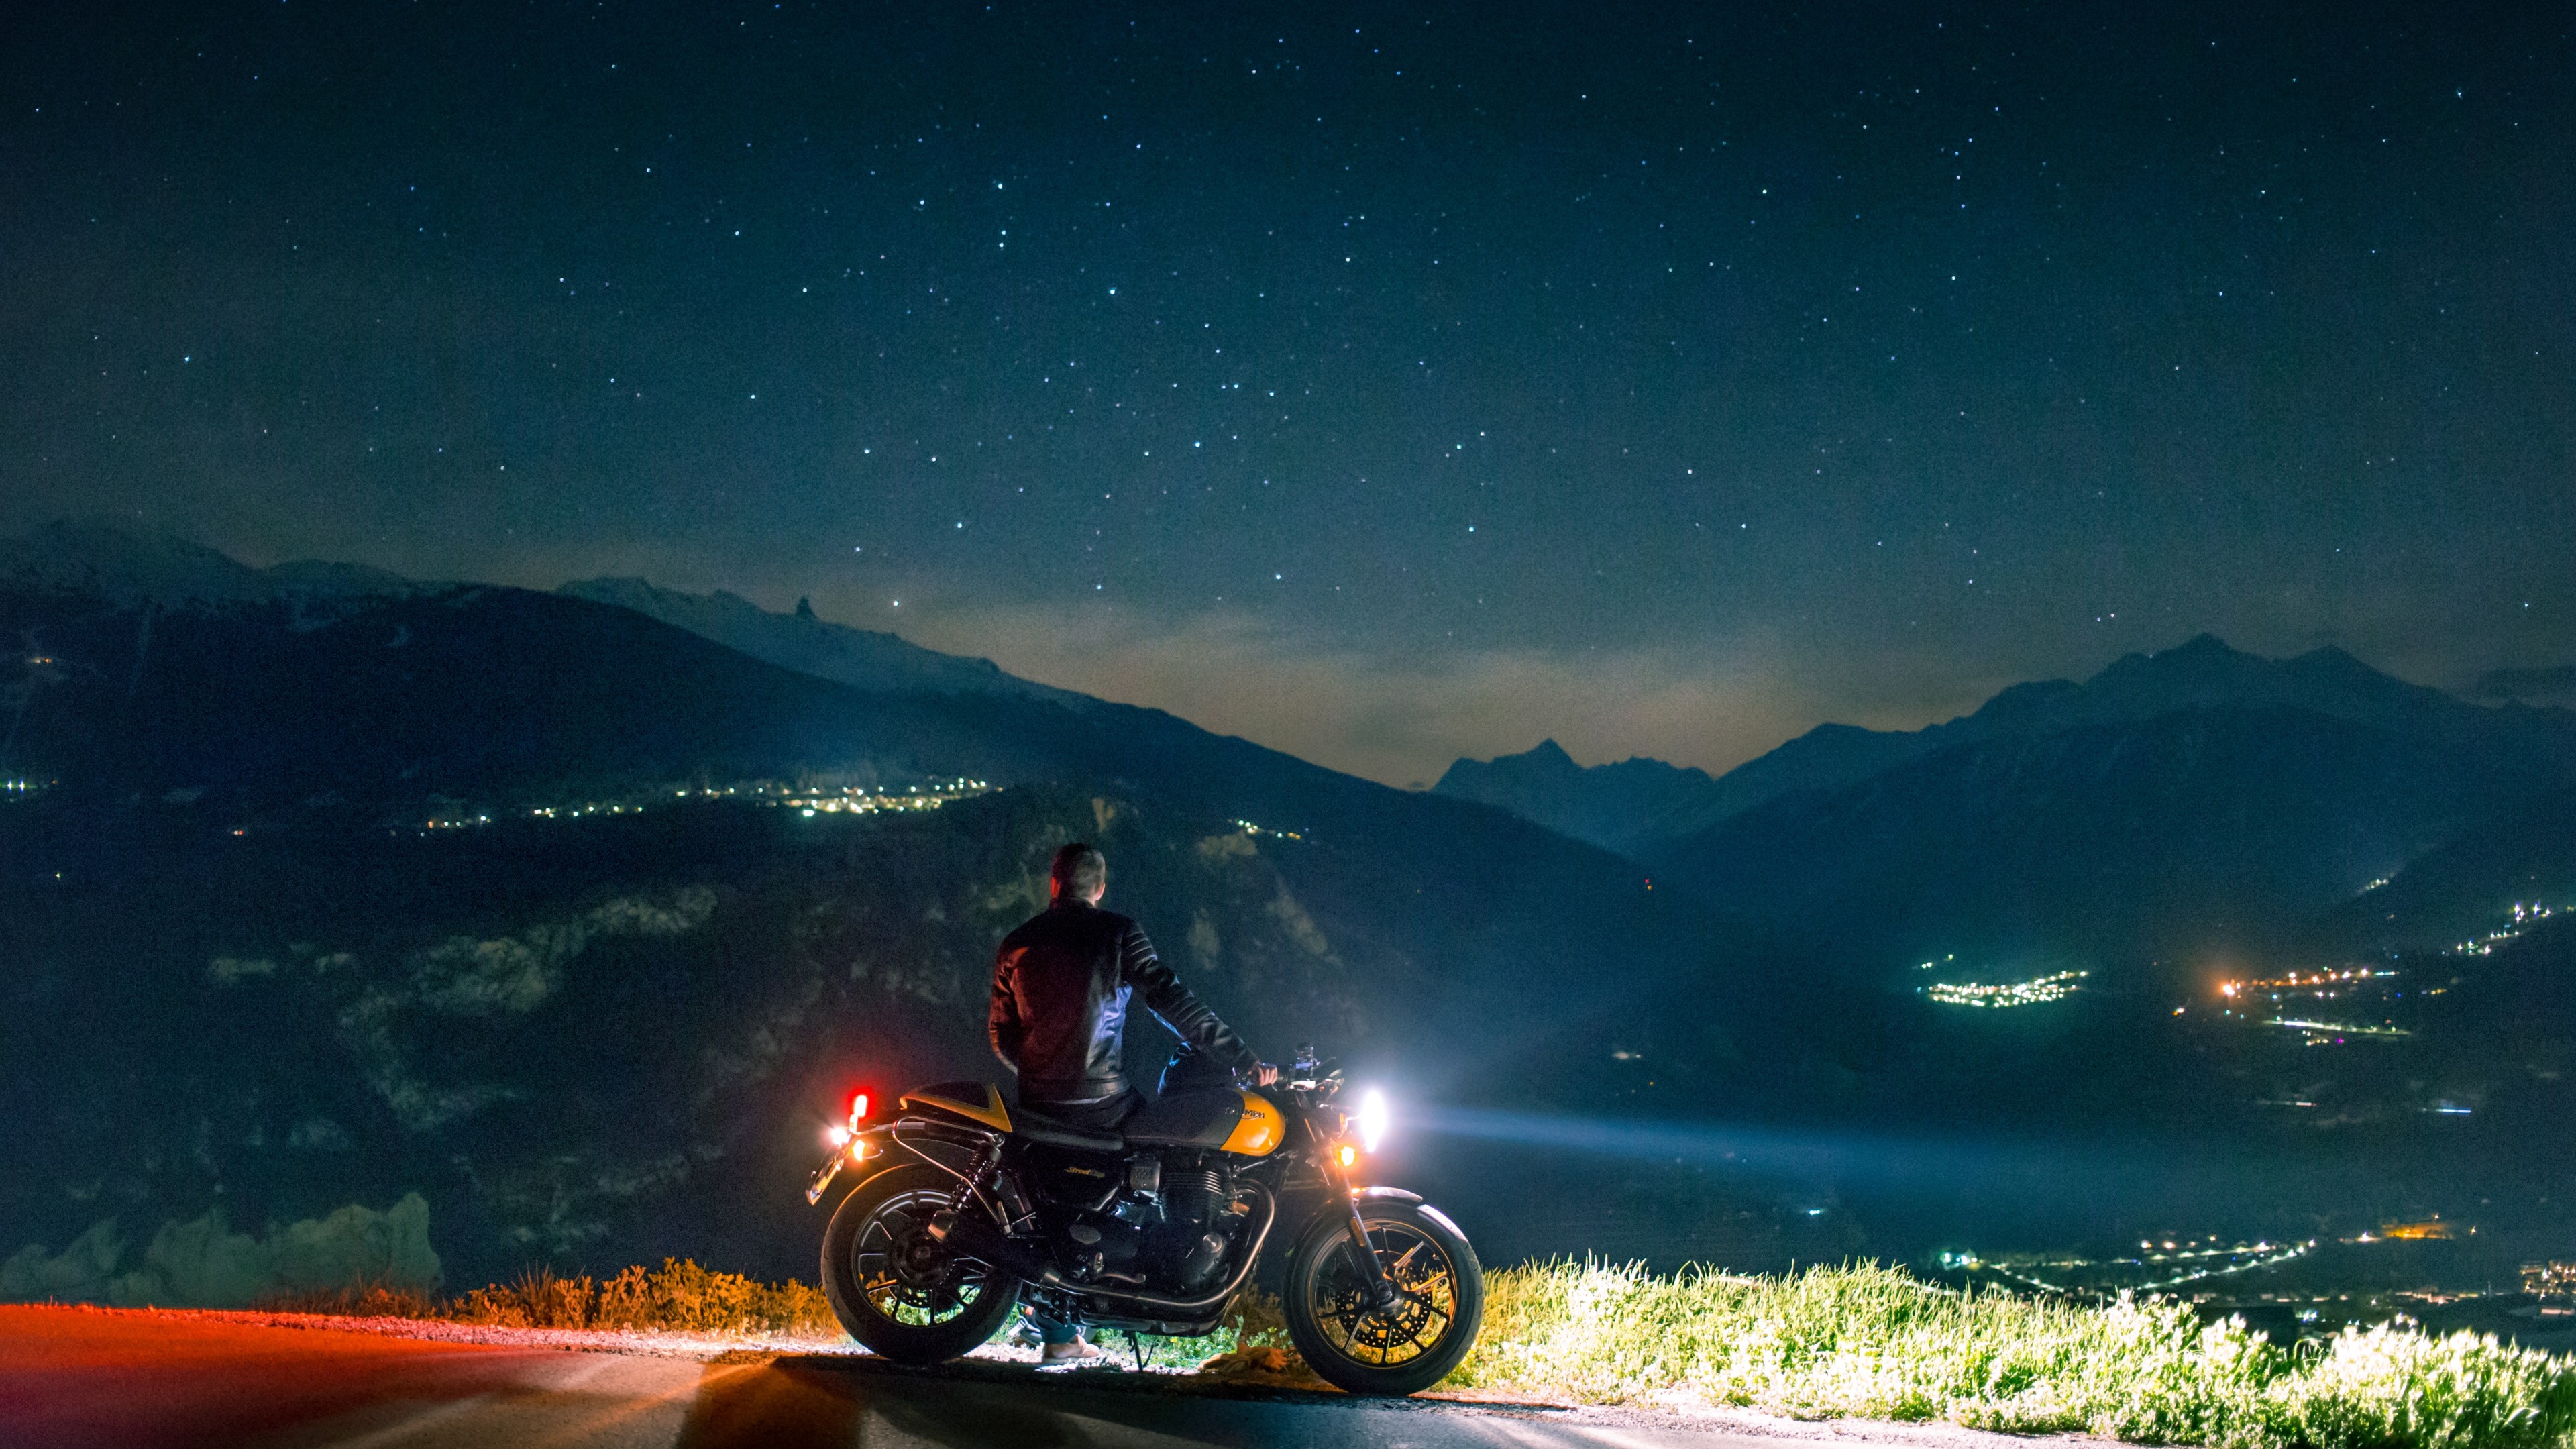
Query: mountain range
[(327, 887), (2168, 795)]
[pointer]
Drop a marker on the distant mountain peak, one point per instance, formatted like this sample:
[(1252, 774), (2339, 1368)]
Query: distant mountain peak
[(809, 644), (1549, 755)]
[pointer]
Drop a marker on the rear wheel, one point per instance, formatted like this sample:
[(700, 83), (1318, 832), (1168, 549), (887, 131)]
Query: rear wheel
[(1400, 1347), (896, 1288)]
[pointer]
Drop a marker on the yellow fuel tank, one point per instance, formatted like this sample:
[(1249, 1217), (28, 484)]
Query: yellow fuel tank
[(1260, 1131)]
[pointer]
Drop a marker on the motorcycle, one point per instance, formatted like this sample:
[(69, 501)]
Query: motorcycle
[(970, 1206)]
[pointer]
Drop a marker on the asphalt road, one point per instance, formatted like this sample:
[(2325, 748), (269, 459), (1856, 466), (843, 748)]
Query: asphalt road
[(81, 1377)]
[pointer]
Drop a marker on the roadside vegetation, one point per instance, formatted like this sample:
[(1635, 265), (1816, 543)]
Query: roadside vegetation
[(1873, 1342), (1858, 1341), (678, 1297)]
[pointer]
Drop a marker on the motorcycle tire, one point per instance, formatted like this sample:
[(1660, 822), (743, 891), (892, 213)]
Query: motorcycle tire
[(1334, 1335), (894, 1203)]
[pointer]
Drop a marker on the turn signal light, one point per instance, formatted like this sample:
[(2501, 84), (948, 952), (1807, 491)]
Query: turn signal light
[(1349, 1155)]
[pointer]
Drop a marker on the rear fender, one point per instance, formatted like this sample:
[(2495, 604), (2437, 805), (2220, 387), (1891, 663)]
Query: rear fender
[(877, 1145), (865, 1146)]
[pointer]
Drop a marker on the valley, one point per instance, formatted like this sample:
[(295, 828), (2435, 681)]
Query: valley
[(572, 925)]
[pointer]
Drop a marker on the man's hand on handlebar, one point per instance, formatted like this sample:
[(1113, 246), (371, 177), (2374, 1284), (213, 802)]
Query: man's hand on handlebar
[(1264, 1075)]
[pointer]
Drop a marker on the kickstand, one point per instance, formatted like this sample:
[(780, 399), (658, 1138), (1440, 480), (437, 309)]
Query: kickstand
[(1137, 1344)]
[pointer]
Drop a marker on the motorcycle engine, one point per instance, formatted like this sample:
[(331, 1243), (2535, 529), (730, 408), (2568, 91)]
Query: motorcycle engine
[(1198, 1225)]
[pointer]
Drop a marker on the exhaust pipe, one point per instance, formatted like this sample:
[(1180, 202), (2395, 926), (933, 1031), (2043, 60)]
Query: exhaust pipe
[(976, 1238)]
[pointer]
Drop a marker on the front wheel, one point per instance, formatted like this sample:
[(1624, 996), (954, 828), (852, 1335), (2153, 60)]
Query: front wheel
[(896, 1288), (1401, 1347)]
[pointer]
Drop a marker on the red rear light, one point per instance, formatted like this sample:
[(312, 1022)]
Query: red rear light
[(858, 1110)]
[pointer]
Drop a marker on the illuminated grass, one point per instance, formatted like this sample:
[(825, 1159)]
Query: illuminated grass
[(1873, 1342)]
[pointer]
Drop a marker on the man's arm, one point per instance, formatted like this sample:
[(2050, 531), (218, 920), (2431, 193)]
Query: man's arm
[(1003, 1023), (1189, 1018)]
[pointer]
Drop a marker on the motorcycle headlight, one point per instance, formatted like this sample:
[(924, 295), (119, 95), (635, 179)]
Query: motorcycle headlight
[(1372, 1119)]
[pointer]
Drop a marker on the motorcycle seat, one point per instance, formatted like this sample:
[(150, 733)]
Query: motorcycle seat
[(1037, 1127)]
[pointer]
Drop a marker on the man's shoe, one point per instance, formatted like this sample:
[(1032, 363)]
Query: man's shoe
[(1064, 1353)]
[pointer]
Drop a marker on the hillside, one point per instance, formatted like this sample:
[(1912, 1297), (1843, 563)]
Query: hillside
[(576, 923), (495, 896)]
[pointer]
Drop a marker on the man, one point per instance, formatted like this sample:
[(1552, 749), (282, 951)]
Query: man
[(1061, 984)]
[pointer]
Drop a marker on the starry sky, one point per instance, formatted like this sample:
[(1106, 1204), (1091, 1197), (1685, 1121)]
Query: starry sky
[(1383, 383)]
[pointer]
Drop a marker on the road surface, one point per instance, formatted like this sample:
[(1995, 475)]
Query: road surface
[(135, 1379)]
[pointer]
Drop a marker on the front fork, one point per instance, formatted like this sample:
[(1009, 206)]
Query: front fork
[(1381, 1290)]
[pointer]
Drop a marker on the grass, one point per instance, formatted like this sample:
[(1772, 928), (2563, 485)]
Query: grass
[(1873, 1342)]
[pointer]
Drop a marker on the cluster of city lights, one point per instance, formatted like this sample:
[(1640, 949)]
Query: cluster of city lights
[(2321, 983), (2550, 1280), (2335, 1033), (2425, 1230), (2524, 916), (852, 800), (2056, 986), (806, 800), (2178, 1264), (1248, 828)]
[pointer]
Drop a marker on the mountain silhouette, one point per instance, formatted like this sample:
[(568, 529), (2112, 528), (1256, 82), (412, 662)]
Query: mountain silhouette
[(862, 658), (2170, 795)]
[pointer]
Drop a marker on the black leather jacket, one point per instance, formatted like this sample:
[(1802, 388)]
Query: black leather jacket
[(1060, 988)]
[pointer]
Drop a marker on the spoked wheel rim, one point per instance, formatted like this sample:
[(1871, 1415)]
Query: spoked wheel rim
[(1425, 1310), (903, 1273)]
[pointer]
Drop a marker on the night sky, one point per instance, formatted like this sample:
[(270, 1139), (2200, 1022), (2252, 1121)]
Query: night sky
[(1382, 383)]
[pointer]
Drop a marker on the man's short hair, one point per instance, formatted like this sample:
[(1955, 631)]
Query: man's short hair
[(1080, 869)]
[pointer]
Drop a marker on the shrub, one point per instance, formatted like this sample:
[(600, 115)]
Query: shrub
[(678, 1297)]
